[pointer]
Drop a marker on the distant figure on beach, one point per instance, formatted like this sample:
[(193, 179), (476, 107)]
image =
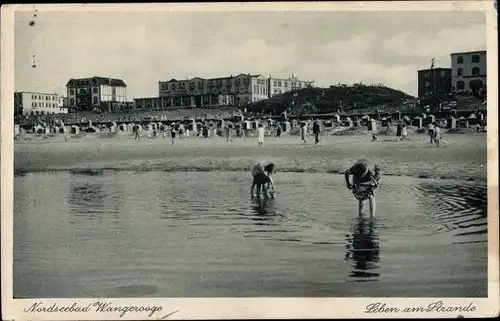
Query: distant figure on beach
[(172, 135), (365, 180), (136, 131), (430, 132), (278, 131), (374, 138), (316, 130), (399, 130), (404, 131), (228, 134), (303, 132), (260, 135), (437, 134), (262, 178)]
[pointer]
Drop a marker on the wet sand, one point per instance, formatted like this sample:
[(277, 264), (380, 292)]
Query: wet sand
[(459, 156)]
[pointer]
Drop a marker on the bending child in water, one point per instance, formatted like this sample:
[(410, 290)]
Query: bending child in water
[(364, 182), (262, 179)]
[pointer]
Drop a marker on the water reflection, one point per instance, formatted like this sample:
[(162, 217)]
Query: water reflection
[(363, 249), (264, 207)]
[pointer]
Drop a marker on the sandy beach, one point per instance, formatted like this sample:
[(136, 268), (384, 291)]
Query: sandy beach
[(459, 156)]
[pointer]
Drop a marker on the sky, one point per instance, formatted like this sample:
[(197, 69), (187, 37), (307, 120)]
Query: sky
[(143, 48)]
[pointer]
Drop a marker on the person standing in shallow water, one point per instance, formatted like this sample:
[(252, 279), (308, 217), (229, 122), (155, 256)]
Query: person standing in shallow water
[(262, 177), (365, 179)]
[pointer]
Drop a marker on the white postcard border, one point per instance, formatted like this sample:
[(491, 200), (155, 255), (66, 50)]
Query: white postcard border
[(248, 308)]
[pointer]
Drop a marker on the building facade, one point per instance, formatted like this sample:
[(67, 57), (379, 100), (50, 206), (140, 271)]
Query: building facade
[(279, 86), (95, 93), (37, 104), (435, 81), (468, 71), (202, 93), (226, 91)]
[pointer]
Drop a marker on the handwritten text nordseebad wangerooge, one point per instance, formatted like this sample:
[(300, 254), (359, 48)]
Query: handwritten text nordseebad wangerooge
[(97, 306)]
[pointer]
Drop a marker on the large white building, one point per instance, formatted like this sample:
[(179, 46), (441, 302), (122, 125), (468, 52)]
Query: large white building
[(32, 103), (95, 93), (214, 92), (279, 86), (468, 71)]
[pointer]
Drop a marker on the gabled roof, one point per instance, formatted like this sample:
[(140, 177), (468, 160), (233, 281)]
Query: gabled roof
[(100, 80)]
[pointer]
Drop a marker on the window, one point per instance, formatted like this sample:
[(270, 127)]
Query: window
[(33, 104), (427, 84), (475, 58), (286, 83), (460, 71), (94, 90), (460, 85), (71, 91), (96, 100), (475, 71), (72, 101), (443, 73), (33, 97), (460, 60)]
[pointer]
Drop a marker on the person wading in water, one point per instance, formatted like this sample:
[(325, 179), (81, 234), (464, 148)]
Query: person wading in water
[(365, 180)]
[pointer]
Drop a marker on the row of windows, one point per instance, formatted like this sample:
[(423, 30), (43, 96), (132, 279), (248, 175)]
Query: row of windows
[(259, 89), (474, 59), (205, 100), (224, 90), (42, 113), (201, 84), (292, 84), (196, 85), (41, 104), (40, 97), (95, 100), (255, 99), (461, 84), (475, 71), (95, 90)]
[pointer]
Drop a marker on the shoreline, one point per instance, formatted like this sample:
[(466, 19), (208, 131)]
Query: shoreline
[(95, 171), (461, 157)]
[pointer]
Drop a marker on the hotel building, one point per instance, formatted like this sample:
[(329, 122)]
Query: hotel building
[(435, 81), (215, 92), (96, 93), (468, 71), (31, 103), (282, 85)]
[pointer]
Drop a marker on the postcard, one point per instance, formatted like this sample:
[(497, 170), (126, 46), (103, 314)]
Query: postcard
[(249, 160)]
